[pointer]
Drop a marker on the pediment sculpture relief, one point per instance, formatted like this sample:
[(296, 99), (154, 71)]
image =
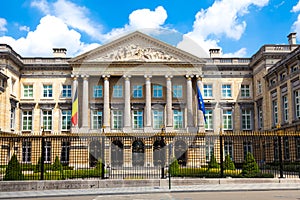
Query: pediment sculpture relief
[(135, 52)]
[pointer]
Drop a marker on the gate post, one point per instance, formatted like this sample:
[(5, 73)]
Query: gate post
[(280, 156), (221, 155), (103, 157), (42, 154)]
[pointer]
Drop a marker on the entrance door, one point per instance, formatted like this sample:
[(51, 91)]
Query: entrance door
[(94, 153), (138, 150), (117, 153), (159, 153)]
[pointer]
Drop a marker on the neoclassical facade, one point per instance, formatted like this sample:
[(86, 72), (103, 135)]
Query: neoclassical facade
[(140, 85)]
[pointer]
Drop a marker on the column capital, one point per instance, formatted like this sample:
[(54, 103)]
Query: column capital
[(106, 76), (126, 77), (75, 76), (148, 77), (85, 76), (189, 77), (168, 77), (199, 77)]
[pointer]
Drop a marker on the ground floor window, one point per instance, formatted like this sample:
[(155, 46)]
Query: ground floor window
[(26, 151)]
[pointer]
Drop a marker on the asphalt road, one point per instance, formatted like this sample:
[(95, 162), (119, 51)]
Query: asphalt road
[(248, 195)]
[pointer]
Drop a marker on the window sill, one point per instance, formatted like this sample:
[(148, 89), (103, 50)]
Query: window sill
[(27, 99), (47, 99)]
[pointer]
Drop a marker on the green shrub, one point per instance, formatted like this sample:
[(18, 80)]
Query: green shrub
[(174, 167), (213, 163), (250, 167), (228, 163), (13, 171), (98, 168), (57, 166)]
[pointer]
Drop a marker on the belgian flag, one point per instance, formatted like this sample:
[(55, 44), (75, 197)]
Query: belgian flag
[(74, 118)]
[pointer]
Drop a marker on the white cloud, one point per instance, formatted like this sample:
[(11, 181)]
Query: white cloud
[(223, 18), (24, 28), (296, 8), (240, 53), (296, 26), (51, 32), (73, 15), (144, 20), (3, 24)]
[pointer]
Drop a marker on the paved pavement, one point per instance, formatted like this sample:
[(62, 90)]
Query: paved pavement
[(147, 190)]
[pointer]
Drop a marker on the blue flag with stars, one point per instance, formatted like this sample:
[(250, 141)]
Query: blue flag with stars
[(201, 105)]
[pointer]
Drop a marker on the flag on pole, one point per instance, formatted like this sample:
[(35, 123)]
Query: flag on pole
[(74, 118), (201, 105)]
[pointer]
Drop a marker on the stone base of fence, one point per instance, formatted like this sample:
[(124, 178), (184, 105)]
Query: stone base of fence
[(10, 186)]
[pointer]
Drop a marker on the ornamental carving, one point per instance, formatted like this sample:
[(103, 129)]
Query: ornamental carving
[(135, 52)]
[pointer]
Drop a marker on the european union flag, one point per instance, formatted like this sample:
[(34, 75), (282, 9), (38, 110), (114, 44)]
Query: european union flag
[(201, 105)]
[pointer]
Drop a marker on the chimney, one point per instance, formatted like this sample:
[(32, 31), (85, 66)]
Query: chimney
[(59, 52), (292, 38), (215, 53)]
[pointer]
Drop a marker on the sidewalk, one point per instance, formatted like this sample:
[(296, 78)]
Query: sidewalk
[(145, 190)]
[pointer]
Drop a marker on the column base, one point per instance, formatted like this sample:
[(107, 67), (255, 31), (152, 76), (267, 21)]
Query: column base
[(84, 130), (74, 130), (201, 129), (127, 129), (148, 129), (169, 129), (192, 129)]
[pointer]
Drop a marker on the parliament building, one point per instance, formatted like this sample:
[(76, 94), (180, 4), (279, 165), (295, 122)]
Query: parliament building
[(138, 85)]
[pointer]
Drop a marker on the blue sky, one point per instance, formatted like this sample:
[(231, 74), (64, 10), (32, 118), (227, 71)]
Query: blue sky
[(238, 27)]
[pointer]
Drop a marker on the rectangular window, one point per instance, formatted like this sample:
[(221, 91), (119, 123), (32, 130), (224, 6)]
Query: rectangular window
[(47, 154), (26, 151), (246, 119), (65, 120), (209, 149), (28, 91), (260, 117), (247, 148), (96, 119), (27, 120), (12, 117), (157, 91), (65, 152), (177, 119), (117, 119), (177, 91), (158, 119), (245, 91), (118, 91), (285, 108), (227, 119), (297, 103), (259, 87), (137, 91), (47, 91), (98, 91), (207, 90), (276, 150), (47, 120), (226, 91), (66, 91), (275, 112), (209, 119), (286, 148), (138, 119), (228, 149)]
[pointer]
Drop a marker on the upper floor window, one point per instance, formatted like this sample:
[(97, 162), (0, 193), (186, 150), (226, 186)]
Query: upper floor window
[(246, 119), (245, 91), (227, 119), (66, 91), (285, 108), (47, 91), (137, 91), (178, 119), (297, 103), (207, 90), (259, 87), (157, 91), (158, 119), (118, 91), (226, 91), (177, 91), (27, 120), (294, 68), (96, 119), (47, 120), (209, 119), (138, 119), (28, 91), (282, 76), (65, 120), (98, 91)]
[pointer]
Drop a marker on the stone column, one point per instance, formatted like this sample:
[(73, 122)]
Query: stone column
[(189, 102), (85, 102), (74, 129), (106, 109), (169, 110), (200, 117), (127, 109), (148, 104)]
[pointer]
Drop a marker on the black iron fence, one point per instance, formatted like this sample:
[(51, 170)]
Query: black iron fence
[(150, 156)]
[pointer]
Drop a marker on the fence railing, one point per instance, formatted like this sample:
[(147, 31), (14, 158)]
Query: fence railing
[(146, 156)]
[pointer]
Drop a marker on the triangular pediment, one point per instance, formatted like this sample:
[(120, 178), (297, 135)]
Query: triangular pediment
[(138, 47)]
